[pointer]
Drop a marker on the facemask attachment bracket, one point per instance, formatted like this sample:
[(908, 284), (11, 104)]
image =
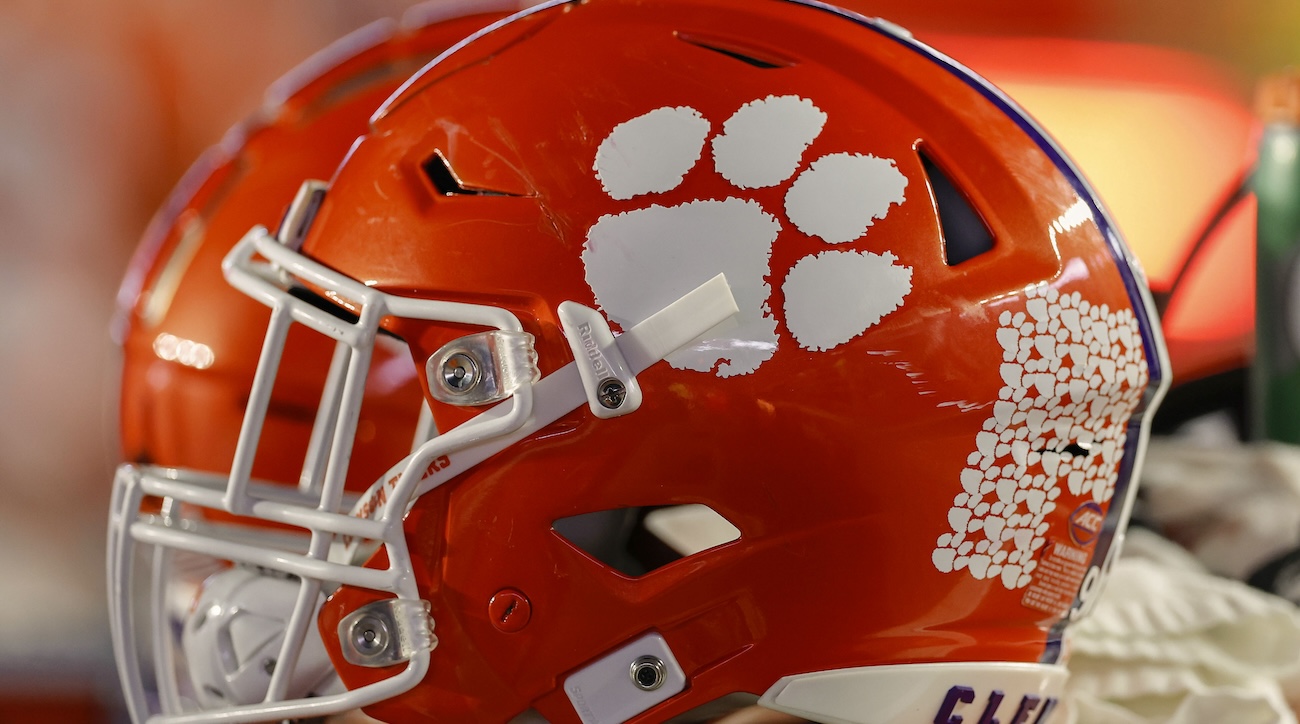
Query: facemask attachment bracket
[(483, 368), (611, 387), (386, 632)]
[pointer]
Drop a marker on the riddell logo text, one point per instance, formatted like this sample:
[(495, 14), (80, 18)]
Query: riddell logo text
[(599, 364)]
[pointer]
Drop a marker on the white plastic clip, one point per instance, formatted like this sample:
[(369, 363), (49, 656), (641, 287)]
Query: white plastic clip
[(482, 368), (611, 386), (386, 632)]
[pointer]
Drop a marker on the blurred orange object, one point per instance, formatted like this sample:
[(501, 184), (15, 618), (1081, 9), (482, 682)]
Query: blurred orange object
[(1168, 140), (64, 708)]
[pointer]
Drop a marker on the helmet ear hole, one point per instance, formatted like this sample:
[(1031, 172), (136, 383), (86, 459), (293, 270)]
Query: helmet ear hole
[(638, 541)]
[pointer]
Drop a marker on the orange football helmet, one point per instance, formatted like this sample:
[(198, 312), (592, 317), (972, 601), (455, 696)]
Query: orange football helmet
[(778, 359), (191, 343)]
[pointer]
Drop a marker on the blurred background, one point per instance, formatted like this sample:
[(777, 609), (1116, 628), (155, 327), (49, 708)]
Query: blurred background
[(104, 105)]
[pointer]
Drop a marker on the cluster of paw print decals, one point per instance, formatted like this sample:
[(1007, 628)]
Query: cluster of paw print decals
[(639, 261), (1072, 374)]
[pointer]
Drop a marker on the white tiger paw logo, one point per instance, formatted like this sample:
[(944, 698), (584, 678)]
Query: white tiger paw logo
[(639, 261)]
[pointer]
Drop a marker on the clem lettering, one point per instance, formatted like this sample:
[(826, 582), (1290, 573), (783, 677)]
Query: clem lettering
[(962, 704), (955, 695)]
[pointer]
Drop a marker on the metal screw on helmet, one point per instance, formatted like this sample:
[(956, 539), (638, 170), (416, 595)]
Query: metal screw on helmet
[(649, 673), (612, 393), (369, 637), (460, 372)]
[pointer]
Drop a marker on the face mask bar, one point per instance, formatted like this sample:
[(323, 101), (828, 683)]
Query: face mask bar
[(319, 504), (342, 530)]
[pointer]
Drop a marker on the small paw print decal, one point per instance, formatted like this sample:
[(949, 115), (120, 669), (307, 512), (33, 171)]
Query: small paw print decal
[(1072, 374), (639, 261)]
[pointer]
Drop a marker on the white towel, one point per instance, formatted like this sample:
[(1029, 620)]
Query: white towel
[(1169, 642)]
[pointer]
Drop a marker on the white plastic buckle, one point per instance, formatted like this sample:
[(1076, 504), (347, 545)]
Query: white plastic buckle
[(611, 386), (387, 632)]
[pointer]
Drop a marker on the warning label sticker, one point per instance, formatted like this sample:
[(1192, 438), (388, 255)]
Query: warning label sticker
[(1058, 576)]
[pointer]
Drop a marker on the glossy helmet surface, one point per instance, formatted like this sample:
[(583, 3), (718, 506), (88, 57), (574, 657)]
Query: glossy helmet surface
[(191, 343), (870, 324)]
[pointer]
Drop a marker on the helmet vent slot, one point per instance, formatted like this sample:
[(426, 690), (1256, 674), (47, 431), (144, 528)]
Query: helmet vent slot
[(636, 541), (325, 305), (965, 235), (1074, 449), (446, 183), (759, 58), (528, 717)]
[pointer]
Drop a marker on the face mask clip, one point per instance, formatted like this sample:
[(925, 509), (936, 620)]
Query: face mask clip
[(482, 368), (386, 632)]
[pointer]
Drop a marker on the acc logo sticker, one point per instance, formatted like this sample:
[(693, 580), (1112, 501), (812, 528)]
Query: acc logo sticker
[(1085, 523)]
